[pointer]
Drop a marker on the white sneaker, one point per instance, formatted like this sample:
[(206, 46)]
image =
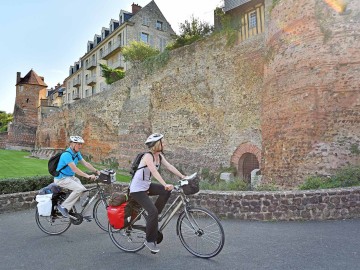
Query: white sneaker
[(152, 246)]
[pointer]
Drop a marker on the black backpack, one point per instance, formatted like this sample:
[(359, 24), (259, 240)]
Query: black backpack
[(54, 161), (135, 164)]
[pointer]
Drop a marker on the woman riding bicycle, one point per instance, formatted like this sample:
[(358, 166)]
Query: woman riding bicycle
[(141, 187)]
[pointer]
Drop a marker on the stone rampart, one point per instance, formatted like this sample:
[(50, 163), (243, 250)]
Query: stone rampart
[(281, 205), (206, 99)]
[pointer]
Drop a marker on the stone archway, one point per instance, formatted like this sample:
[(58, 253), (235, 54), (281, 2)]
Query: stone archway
[(245, 159)]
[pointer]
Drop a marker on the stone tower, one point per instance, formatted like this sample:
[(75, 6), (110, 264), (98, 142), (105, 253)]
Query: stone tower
[(29, 91), (311, 101)]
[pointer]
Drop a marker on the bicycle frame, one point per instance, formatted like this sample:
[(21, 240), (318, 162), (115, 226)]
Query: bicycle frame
[(180, 200), (99, 191)]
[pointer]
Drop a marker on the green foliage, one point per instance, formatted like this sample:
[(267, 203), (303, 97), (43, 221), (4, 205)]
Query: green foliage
[(137, 51), (347, 177), (229, 25), (237, 184), (354, 149), (157, 61), (5, 118), (266, 187), (191, 31), (24, 184), (111, 75)]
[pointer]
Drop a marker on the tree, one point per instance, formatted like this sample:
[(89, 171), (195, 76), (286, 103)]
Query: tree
[(191, 31), (5, 118), (137, 51), (111, 75)]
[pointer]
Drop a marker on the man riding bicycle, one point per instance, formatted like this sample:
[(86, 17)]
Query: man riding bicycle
[(67, 168)]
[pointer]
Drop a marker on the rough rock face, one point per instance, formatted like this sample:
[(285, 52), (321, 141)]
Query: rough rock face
[(311, 102), (205, 99)]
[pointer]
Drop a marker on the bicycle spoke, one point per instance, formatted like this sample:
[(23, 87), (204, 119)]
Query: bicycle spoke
[(201, 233)]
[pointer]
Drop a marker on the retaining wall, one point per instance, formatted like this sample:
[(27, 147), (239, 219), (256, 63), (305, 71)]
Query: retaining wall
[(280, 205)]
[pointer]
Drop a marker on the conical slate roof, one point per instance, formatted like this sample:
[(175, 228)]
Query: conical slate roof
[(32, 78)]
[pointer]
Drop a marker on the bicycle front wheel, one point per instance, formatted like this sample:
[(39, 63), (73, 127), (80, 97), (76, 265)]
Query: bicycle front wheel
[(52, 225), (100, 214), (200, 232), (131, 238)]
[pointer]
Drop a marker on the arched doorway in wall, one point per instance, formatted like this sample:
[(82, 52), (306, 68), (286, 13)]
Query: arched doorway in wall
[(245, 159), (247, 163)]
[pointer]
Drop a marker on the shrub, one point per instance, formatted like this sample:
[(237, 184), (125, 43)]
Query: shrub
[(346, 177), (137, 51), (191, 31), (111, 75), (25, 184)]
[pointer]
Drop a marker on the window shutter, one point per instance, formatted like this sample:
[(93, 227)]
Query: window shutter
[(165, 26), (151, 40)]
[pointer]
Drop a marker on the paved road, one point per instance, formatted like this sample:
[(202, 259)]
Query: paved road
[(248, 245)]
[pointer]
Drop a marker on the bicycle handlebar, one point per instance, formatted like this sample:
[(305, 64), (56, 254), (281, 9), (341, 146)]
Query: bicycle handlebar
[(184, 181)]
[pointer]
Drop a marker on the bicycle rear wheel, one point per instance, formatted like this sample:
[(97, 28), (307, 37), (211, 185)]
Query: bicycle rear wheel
[(54, 224), (201, 232), (100, 214), (131, 238)]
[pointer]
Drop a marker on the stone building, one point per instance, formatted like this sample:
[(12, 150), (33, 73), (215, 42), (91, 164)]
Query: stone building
[(30, 90), (145, 24)]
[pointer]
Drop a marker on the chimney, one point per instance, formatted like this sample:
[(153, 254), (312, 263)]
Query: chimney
[(135, 8), (18, 77)]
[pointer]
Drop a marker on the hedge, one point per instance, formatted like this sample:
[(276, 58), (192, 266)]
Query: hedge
[(32, 183)]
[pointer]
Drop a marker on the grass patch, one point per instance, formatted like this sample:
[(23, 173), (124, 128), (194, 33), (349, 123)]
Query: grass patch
[(17, 164)]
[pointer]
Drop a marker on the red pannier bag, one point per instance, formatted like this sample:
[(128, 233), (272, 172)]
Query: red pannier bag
[(116, 215), (121, 216)]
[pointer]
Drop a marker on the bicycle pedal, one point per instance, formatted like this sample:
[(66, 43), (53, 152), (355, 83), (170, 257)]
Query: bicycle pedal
[(72, 217)]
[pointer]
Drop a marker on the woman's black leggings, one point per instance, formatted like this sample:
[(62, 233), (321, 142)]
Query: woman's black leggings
[(153, 210)]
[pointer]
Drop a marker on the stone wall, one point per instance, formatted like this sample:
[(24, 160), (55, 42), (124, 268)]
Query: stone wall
[(290, 205), (206, 99), (311, 101), (3, 139)]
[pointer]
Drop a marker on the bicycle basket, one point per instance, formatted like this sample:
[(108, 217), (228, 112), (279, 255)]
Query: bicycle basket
[(192, 187), (107, 176)]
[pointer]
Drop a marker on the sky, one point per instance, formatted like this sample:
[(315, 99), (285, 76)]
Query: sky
[(48, 36)]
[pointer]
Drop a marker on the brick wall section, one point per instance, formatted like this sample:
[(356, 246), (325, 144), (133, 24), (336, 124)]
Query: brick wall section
[(286, 206), (3, 139), (311, 105)]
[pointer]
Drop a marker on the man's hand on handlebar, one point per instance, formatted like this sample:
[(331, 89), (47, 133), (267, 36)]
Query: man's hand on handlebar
[(92, 177), (169, 187)]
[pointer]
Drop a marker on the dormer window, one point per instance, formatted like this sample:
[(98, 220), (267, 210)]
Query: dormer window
[(159, 25)]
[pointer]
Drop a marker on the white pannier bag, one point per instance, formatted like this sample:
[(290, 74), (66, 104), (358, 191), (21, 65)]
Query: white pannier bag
[(44, 204)]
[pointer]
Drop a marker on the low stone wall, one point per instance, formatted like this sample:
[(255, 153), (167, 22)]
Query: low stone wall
[(287, 205)]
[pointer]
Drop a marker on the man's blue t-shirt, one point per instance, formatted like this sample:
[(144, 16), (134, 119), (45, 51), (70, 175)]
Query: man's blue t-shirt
[(65, 159)]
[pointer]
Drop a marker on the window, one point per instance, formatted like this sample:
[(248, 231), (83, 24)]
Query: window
[(252, 20), (93, 90), (159, 25), (146, 21), (119, 39), (144, 37)]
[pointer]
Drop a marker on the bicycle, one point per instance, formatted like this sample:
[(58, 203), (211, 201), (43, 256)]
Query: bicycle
[(56, 224), (199, 230)]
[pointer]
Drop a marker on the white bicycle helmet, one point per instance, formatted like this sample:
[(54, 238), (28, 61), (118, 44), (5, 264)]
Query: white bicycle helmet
[(76, 139), (153, 138)]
